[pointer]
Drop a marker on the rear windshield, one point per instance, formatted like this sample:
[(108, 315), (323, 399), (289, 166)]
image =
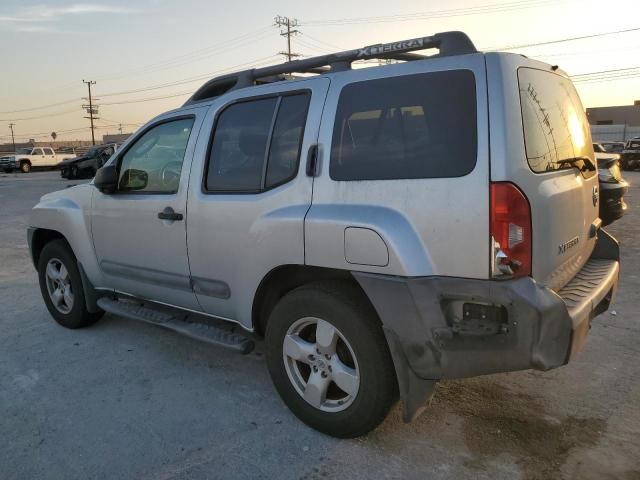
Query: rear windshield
[(415, 126), (554, 122)]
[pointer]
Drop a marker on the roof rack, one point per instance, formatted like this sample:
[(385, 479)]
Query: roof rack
[(448, 43)]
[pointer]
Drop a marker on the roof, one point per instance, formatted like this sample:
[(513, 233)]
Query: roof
[(448, 43)]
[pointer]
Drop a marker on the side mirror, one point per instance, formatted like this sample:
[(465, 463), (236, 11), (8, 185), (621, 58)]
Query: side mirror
[(106, 179), (133, 179)]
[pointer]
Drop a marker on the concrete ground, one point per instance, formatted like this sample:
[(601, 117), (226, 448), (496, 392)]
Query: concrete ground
[(125, 400)]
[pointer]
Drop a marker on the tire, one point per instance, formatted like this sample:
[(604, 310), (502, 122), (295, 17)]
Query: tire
[(25, 167), (73, 172), (360, 345), (71, 311)]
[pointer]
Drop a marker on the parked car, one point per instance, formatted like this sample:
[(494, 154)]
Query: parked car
[(613, 147), (27, 158), (612, 186), (612, 190), (87, 164), (631, 155), (344, 217)]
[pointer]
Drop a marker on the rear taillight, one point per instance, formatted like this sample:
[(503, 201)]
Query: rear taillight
[(510, 232)]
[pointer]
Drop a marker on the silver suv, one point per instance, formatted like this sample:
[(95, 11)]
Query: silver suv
[(383, 228)]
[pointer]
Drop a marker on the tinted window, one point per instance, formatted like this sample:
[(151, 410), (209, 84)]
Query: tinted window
[(239, 144), (417, 126), (48, 151), (554, 122), (287, 139), (154, 162), (242, 135)]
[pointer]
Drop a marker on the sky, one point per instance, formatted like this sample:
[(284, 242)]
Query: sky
[(140, 50)]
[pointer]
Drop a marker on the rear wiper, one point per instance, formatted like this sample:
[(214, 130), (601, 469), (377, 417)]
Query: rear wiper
[(587, 164)]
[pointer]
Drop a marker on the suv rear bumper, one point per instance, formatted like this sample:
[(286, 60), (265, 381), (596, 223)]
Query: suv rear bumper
[(524, 324)]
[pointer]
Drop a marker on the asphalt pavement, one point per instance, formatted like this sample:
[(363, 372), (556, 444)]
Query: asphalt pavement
[(123, 400)]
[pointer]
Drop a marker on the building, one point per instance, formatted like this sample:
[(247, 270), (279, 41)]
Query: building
[(118, 138), (622, 115), (615, 123)]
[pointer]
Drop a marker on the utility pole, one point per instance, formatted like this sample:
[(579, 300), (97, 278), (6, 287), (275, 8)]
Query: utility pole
[(286, 24), (13, 140), (90, 110)]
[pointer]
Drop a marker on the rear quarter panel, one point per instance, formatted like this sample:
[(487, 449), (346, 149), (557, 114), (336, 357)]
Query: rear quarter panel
[(431, 226)]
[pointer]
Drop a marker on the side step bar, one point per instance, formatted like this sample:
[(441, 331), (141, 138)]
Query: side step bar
[(199, 331)]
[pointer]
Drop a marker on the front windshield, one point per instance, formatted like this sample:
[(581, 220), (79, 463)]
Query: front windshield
[(23, 151)]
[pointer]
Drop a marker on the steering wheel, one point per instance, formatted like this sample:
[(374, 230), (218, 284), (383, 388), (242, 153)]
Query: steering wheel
[(170, 173)]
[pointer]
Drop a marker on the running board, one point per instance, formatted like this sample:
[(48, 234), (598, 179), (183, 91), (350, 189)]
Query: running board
[(199, 331)]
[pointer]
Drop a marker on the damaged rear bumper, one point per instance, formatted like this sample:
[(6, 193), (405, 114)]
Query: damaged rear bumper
[(444, 327)]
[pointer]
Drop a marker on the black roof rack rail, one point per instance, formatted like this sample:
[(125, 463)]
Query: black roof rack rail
[(448, 43)]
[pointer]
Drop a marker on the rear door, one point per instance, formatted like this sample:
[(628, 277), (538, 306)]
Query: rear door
[(249, 191), (38, 158), (50, 156), (538, 127)]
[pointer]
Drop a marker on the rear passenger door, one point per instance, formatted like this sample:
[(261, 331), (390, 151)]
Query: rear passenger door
[(38, 158), (248, 201)]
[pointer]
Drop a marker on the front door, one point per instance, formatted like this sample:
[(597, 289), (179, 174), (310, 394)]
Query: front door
[(139, 231)]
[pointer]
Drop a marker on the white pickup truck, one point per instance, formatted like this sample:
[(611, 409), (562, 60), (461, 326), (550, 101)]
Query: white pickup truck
[(27, 158)]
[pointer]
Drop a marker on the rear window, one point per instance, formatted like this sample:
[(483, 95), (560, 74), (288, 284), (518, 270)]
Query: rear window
[(554, 123), (416, 126)]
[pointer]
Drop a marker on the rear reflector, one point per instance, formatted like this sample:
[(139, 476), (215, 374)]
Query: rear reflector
[(510, 231)]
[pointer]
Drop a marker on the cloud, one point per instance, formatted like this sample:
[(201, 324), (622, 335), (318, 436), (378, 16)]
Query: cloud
[(29, 28), (44, 14)]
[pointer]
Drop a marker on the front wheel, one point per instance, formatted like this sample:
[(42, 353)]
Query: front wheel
[(25, 167), (329, 360), (61, 286)]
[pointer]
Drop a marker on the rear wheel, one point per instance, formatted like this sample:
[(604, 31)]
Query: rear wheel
[(25, 166), (61, 286), (329, 360)]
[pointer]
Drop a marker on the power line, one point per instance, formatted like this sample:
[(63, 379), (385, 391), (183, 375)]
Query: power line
[(286, 24), (55, 114), (42, 107), (184, 81), (562, 40), (189, 57), (455, 12), (605, 71)]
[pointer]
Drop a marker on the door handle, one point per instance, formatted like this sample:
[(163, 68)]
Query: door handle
[(312, 161), (169, 214)]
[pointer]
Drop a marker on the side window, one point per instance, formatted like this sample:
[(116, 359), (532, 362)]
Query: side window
[(250, 133), (154, 162), (416, 126), (38, 151), (48, 151), (287, 139)]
